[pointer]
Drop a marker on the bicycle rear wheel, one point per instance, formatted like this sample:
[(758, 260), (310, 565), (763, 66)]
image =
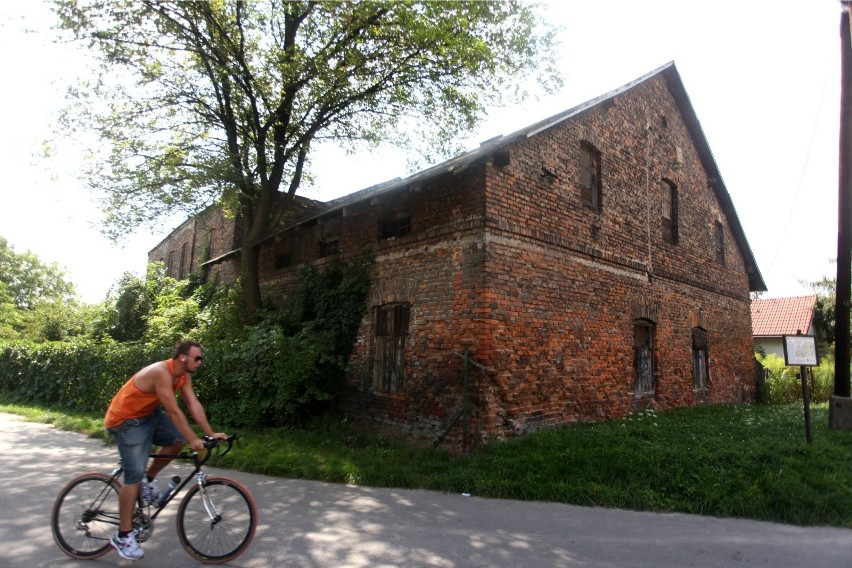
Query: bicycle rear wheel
[(216, 523), (85, 515)]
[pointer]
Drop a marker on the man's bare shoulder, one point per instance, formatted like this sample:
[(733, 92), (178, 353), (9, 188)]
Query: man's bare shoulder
[(147, 377)]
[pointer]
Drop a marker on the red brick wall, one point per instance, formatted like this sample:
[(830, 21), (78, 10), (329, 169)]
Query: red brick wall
[(546, 292), (567, 282), (542, 290), (208, 235)]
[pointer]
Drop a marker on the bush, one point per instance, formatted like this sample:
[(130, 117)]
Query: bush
[(823, 380), (288, 367), (80, 375), (783, 384), (292, 364)]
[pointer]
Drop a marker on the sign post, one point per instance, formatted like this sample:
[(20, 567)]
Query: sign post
[(801, 350)]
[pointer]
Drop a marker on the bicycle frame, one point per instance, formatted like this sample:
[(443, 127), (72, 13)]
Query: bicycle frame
[(199, 475)]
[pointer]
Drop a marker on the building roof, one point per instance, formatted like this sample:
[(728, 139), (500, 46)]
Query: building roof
[(489, 147), (774, 317)]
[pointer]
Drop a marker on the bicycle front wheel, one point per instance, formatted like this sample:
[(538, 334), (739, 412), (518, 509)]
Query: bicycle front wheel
[(216, 522), (85, 515)]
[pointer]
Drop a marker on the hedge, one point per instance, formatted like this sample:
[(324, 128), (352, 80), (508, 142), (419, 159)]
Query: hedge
[(81, 375)]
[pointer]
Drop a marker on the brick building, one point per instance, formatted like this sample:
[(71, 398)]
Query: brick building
[(587, 266), (209, 240), (200, 238)]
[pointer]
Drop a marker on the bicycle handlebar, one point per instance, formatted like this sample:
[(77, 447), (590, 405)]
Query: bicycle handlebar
[(210, 443)]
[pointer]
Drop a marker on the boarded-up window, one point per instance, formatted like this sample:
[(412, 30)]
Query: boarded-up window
[(329, 247), (700, 363), (211, 245), (590, 176), (391, 333), (669, 211), (184, 261), (643, 349)]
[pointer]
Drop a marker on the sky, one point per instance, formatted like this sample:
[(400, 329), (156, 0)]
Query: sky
[(763, 78)]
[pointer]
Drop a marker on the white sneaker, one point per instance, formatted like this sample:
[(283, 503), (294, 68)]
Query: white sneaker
[(127, 547), (150, 491)]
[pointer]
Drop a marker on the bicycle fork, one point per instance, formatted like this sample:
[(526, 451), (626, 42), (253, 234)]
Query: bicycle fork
[(209, 506)]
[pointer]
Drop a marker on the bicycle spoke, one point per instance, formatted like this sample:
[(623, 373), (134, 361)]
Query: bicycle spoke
[(85, 516), (217, 523)]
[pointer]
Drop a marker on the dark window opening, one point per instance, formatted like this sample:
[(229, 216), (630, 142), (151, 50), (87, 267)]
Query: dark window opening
[(669, 211), (590, 176), (211, 244), (283, 261), (643, 351), (719, 240), (391, 332), (394, 227)]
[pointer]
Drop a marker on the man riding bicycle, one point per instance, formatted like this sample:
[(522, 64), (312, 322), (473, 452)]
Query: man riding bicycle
[(143, 412)]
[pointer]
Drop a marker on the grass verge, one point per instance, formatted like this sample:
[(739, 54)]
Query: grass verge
[(748, 461)]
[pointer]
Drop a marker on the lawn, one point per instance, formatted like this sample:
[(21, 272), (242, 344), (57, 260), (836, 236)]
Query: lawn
[(749, 461)]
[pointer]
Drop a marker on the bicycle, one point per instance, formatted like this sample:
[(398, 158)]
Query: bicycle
[(216, 519)]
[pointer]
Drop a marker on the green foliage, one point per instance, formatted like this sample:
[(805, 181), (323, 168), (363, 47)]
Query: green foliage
[(131, 307), (156, 310), (292, 364), (783, 384), (288, 367), (176, 310), (824, 310), (201, 102), (823, 379), (37, 302), (79, 375), (29, 281)]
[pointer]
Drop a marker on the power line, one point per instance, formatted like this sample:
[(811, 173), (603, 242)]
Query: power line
[(802, 175)]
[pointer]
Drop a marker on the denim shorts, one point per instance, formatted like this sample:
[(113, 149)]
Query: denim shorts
[(135, 437)]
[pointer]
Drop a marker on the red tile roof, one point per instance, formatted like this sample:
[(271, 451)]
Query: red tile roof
[(775, 317)]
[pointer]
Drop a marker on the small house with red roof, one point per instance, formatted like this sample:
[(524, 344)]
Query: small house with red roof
[(773, 318)]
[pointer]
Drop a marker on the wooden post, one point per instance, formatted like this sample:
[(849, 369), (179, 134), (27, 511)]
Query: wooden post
[(844, 210), (806, 399)]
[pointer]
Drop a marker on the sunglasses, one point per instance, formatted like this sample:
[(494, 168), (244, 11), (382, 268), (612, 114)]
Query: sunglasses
[(198, 359)]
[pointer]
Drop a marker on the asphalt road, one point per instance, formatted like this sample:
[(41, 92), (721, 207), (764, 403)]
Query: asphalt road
[(311, 525)]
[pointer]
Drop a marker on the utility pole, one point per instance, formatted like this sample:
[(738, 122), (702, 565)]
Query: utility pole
[(840, 408)]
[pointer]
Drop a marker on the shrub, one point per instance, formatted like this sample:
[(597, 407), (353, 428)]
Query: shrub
[(292, 364), (288, 367), (783, 384), (80, 375), (823, 380)]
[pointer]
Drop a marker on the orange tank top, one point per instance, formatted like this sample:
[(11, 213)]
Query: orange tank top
[(130, 402)]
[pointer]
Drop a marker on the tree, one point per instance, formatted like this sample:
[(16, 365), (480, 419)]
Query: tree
[(125, 311), (33, 294), (221, 101), (824, 309)]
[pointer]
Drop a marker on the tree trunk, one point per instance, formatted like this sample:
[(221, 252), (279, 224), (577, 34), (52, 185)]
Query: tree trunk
[(249, 279)]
